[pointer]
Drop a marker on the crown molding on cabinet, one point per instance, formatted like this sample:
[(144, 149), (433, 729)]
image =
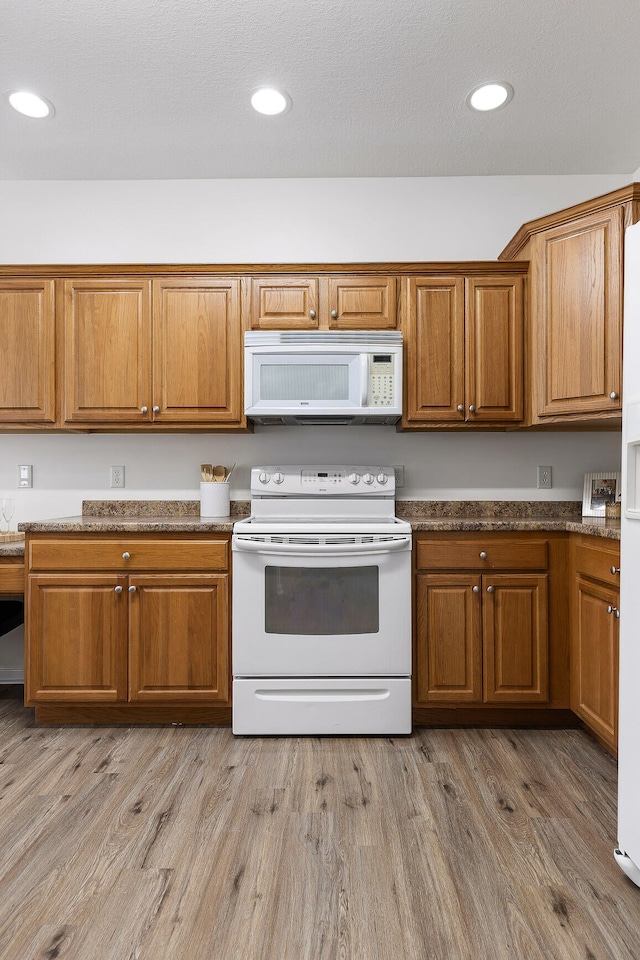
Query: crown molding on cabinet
[(628, 194)]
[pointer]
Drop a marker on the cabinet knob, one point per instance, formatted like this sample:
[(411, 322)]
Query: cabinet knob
[(118, 589), (614, 570), (616, 613), (460, 408), (312, 314), (475, 589), (126, 555), (132, 589), (489, 589), (483, 554), (143, 409), (156, 409), (334, 314), (472, 408), (609, 608), (613, 395)]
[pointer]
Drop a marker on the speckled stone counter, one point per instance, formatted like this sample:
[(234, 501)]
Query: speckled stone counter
[(140, 516), (167, 516), (507, 515), (12, 548)]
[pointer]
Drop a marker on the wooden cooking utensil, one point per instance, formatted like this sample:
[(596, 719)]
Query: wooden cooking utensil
[(219, 473), (206, 472)]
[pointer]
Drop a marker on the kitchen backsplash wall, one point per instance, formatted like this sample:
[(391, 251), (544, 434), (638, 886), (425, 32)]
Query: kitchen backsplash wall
[(68, 468)]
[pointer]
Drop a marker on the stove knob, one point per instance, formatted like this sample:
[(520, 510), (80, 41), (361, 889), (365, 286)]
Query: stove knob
[(382, 478), (278, 478), (368, 478), (354, 478), (263, 477)]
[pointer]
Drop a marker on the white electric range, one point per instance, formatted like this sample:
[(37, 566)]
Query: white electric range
[(322, 604)]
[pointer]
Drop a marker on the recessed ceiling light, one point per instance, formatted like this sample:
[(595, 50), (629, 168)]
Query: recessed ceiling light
[(30, 104), (490, 96), (270, 101)]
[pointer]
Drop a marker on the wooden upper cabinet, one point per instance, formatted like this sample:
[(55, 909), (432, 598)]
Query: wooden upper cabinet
[(107, 338), (464, 349), (283, 303), (320, 303), (27, 351), (197, 350), (135, 357), (577, 316), (434, 348), (494, 348), (366, 303)]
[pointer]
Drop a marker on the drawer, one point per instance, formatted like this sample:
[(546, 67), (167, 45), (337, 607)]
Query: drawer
[(465, 554), (595, 563), (11, 578), (161, 554)]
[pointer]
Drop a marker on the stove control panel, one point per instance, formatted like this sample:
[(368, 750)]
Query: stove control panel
[(338, 481)]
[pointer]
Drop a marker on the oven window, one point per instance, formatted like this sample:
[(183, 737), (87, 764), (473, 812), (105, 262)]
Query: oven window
[(326, 601)]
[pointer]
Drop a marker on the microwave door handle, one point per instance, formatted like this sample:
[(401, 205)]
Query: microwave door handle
[(364, 375)]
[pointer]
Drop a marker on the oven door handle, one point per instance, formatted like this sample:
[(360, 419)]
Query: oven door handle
[(321, 549)]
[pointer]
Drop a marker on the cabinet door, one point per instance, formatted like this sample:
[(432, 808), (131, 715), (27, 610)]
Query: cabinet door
[(197, 346), (515, 617), (179, 638), (27, 351), (107, 351), (577, 315), (435, 349), (449, 638), (594, 664), (494, 348), (76, 638), (361, 303), (283, 303)]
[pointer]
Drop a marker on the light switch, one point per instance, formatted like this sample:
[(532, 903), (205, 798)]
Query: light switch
[(25, 475)]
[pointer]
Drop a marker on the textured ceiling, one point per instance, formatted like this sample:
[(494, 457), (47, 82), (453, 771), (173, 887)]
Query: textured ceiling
[(160, 88)]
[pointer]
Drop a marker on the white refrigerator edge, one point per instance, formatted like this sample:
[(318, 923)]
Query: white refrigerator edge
[(627, 853)]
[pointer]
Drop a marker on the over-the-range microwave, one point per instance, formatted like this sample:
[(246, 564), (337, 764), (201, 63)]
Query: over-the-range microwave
[(323, 377)]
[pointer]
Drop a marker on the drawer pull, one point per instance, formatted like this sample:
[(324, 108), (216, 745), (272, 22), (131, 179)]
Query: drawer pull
[(132, 589), (483, 554), (615, 570), (126, 555)]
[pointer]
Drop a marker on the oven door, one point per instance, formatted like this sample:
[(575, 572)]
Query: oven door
[(321, 606)]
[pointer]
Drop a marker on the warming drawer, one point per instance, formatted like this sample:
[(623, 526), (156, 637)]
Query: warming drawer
[(309, 707)]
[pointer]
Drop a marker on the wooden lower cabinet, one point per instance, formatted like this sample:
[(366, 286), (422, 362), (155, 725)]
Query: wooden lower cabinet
[(595, 635), (127, 636), (482, 621), (482, 638)]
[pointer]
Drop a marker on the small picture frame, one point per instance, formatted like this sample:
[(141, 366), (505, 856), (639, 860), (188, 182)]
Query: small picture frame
[(600, 490)]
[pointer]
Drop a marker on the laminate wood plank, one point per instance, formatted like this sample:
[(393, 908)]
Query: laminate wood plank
[(185, 843)]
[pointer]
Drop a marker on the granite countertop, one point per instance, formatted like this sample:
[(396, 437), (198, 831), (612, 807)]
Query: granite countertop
[(182, 516)]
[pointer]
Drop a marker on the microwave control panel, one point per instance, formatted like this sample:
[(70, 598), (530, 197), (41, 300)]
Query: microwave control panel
[(381, 380)]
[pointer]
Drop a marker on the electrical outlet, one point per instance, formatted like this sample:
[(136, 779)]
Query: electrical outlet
[(399, 472), (116, 476), (544, 478), (25, 475)]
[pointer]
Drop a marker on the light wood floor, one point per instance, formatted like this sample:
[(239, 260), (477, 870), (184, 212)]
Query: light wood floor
[(187, 844)]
